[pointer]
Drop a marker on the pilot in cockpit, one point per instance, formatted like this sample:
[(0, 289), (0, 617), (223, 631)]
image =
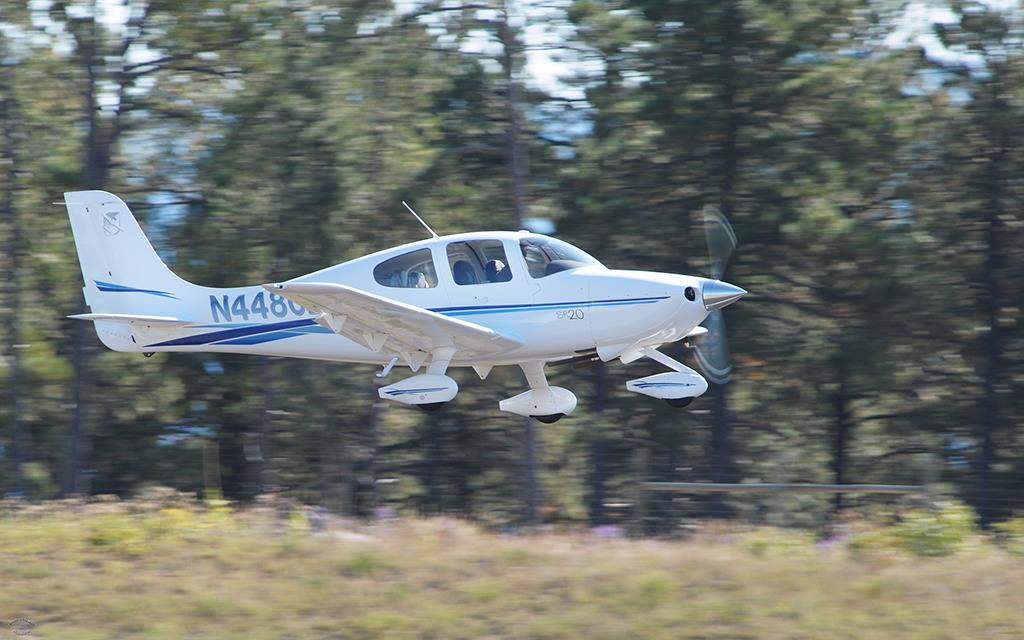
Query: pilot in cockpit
[(497, 271)]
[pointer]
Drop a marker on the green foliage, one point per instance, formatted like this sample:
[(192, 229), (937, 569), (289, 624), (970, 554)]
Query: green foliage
[(363, 563), (39, 482), (118, 533), (767, 542), (655, 590), (1011, 535), (940, 531), (517, 557)]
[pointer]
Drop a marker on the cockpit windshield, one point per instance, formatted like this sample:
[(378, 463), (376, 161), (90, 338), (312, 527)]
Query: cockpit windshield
[(546, 256)]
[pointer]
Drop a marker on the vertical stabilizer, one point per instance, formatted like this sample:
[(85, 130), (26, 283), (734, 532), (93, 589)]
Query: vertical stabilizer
[(122, 271)]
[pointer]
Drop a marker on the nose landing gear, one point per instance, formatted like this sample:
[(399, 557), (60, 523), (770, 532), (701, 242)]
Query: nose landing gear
[(677, 387)]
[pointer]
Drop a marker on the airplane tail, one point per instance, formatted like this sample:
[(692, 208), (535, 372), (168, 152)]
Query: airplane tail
[(123, 273)]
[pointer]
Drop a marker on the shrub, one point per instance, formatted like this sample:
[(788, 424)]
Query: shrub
[(363, 563), (940, 531), (874, 544), (770, 542), (38, 481), (117, 532), (1011, 535)]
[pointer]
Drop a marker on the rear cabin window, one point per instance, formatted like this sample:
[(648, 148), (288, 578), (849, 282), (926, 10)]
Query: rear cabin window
[(478, 262), (413, 270)]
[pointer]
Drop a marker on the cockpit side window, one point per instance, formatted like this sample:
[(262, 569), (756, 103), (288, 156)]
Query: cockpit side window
[(413, 270), (547, 256), (478, 262)]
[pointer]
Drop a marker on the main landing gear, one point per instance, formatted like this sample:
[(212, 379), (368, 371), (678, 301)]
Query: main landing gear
[(679, 403), (542, 402), (432, 390), (428, 391), (549, 419)]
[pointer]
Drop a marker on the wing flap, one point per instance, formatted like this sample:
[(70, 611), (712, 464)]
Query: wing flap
[(162, 321), (376, 322)]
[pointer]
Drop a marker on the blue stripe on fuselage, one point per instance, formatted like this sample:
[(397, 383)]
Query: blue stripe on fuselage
[(248, 334), (228, 334), (543, 306), (260, 338)]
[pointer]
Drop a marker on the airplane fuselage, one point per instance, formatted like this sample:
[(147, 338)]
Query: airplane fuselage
[(557, 316)]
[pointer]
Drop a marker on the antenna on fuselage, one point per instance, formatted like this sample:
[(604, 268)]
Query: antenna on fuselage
[(413, 212)]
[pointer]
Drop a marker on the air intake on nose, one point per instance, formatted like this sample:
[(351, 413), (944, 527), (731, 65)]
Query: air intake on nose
[(717, 294)]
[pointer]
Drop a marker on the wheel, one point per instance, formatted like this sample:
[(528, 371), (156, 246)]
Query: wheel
[(430, 407), (679, 403), (550, 418), (148, 354)]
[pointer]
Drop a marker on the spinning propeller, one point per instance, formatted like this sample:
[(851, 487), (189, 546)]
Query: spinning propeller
[(712, 350)]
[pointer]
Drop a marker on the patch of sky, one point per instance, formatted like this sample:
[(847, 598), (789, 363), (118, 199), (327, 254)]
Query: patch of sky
[(561, 125), (809, 57), (375, 24), (166, 209), (552, 66), (926, 82), (901, 211), (852, 52), (540, 225), (178, 433), (917, 27)]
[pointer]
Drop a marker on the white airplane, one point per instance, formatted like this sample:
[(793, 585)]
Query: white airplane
[(476, 300)]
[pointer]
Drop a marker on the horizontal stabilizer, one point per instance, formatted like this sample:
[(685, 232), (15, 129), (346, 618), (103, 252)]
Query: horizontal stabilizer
[(165, 321)]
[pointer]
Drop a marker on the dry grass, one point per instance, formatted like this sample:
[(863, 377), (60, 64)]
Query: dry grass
[(182, 572)]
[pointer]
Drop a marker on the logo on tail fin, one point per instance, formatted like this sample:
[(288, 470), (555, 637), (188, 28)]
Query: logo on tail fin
[(111, 223)]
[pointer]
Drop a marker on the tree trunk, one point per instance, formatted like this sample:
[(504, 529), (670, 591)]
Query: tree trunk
[(94, 178), (530, 470), (8, 118), (264, 471), (432, 472), (515, 156), (641, 474), (721, 456), (516, 165), (986, 498), (598, 453), (372, 422), (840, 439)]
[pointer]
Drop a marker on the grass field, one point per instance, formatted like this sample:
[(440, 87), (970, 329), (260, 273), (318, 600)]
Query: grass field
[(128, 571)]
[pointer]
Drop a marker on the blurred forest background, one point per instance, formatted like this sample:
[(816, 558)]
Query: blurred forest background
[(869, 154)]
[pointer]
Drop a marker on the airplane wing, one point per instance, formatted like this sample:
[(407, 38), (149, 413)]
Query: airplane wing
[(375, 322)]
